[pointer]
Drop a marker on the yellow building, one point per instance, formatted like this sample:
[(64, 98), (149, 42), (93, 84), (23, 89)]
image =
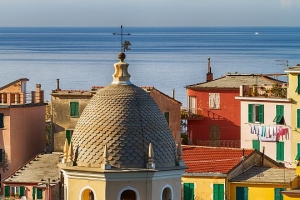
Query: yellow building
[(122, 147), (219, 173)]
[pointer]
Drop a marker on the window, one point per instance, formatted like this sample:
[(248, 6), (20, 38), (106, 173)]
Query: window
[(214, 135), (87, 195), (2, 155), (17, 191), (298, 118), (69, 134), (188, 191), (128, 195), (277, 193), (167, 194), (256, 145), (255, 113), (74, 109), (192, 105), (167, 116), (214, 100), (6, 191), (279, 114), (298, 152), (1, 120), (218, 192), (242, 193), (280, 151), (39, 193), (298, 87)]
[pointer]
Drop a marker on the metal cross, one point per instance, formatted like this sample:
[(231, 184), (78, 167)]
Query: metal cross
[(126, 44)]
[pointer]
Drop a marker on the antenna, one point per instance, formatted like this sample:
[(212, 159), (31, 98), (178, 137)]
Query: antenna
[(283, 62), (126, 44)]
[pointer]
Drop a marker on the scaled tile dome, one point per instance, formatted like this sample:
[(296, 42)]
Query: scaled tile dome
[(126, 119)]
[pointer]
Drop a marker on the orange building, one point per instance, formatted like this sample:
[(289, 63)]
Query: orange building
[(22, 125)]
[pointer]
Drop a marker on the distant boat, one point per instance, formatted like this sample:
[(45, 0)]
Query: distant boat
[(256, 33)]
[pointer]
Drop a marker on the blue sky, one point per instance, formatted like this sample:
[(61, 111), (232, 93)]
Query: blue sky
[(131, 13)]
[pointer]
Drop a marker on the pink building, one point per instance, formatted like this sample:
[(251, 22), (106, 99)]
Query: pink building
[(22, 125)]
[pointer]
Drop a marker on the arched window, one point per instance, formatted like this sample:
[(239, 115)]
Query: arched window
[(87, 194), (128, 195), (167, 194)]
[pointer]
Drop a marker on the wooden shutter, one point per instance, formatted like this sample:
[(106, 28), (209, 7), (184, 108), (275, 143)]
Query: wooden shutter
[(218, 191), (39, 194), (1, 155), (242, 193), (6, 191), (74, 110), (33, 192), (217, 100), (261, 113), (250, 112), (167, 116), (22, 191), (1, 120), (277, 194), (256, 144), (298, 87), (298, 118), (298, 152), (188, 191), (280, 151), (68, 135)]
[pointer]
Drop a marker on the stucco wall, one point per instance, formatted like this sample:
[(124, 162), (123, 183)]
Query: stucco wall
[(227, 116), (269, 115)]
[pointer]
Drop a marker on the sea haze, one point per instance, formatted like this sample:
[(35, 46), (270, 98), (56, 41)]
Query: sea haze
[(166, 58)]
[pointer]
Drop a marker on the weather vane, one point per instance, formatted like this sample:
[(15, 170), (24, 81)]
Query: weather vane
[(126, 44)]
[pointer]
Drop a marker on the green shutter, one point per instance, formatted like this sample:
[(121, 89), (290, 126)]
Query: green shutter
[(167, 115), (298, 87), (6, 191), (68, 135), (261, 113), (242, 193), (250, 112), (279, 114), (22, 191), (218, 191), (1, 155), (298, 118), (298, 152), (280, 151), (277, 193), (1, 120), (188, 191), (256, 145), (74, 110), (39, 194), (33, 192)]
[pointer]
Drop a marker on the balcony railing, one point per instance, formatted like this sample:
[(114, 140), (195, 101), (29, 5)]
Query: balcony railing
[(189, 115), (268, 91), (219, 143)]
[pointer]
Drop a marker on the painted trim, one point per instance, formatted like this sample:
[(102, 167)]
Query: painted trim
[(167, 186), (129, 188), (83, 189)]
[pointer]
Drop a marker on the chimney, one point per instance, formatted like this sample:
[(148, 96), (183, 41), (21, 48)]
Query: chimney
[(173, 93), (39, 94), (209, 75), (57, 84)]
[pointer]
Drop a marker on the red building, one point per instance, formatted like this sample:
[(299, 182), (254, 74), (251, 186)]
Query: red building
[(213, 112)]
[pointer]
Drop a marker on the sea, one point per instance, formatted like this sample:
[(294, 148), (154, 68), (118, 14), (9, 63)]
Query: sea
[(168, 58)]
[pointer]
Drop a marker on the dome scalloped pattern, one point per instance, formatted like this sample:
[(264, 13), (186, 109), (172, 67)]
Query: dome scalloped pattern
[(126, 119)]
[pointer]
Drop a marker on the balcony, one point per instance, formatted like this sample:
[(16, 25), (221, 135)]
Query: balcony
[(189, 115), (267, 91), (219, 143)]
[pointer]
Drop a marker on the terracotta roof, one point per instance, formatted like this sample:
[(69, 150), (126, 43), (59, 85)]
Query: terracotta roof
[(234, 81), (266, 175), (126, 119), (201, 159), (16, 81)]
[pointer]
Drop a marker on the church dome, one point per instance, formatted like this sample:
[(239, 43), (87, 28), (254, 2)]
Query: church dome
[(124, 119)]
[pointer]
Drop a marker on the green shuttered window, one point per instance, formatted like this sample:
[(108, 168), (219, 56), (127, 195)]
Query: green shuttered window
[(242, 193), (280, 151), (256, 145), (279, 114), (74, 109), (298, 86), (277, 193), (39, 194), (255, 113), (298, 152), (69, 135), (7, 191), (218, 192), (188, 191), (1, 120), (167, 116), (298, 118), (22, 191)]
